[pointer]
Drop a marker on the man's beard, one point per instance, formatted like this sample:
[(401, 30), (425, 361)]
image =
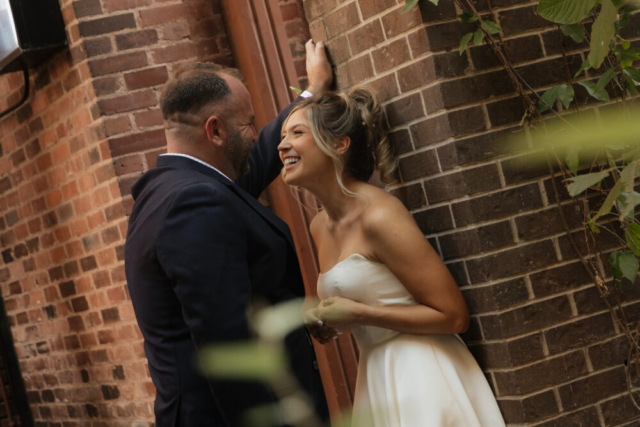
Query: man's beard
[(237, 151)]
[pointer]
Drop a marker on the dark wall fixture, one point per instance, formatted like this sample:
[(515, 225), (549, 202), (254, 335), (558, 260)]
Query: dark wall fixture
[(14, 407)]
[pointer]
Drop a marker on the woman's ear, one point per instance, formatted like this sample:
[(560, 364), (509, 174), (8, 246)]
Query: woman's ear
[(342, 145), (214, 131)]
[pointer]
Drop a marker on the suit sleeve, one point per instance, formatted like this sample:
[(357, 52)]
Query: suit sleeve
[(264, 160), (202, 248)]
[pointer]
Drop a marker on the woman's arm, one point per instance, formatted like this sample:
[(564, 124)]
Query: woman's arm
[(398, 243)]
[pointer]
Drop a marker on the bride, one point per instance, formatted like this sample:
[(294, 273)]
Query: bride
[(381, 278)]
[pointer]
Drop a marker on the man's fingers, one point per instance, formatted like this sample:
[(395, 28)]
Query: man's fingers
[(310, 47)]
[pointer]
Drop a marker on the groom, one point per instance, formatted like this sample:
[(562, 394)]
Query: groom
[(200, 246)]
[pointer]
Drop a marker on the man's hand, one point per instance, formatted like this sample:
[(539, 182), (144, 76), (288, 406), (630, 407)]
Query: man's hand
[(322, 333), (340, 313), (319, 71)]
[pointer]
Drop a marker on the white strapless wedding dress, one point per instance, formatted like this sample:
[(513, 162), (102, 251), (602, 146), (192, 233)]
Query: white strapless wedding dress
[(408, 380)]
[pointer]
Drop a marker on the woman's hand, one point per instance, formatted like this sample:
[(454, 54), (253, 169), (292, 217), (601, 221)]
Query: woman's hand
[(340, 313), (321, 332)]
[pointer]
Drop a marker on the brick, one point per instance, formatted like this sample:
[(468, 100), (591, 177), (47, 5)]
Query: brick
[(446, 125), (521, 49), (526, 319), (174, 52), (538, 225), (129, 102), (107, 25), (497, 296), (549, 72), (450, 64), (114, 64), (434, 220), (520, 20), (605, 241), (385, 87), (559, 279), (618, 410), (149, 118), (541, 375), (580, 333), (471, 242), (396, 22), (117, 125), (80, 304), (405, 110), (418, 165), (84, 8), (497, 205), (115, 5), (106, 85), (484, 147), (146, 78), (110, 315), (365, 37), (391, 55), (338, 49), (401, 141), (593, 388), (354, 72), (505, 112), (477, 88), (554, 42), (136, 39), (96, 47), (417, 74), (412, 196), (161, 15), (368, 8), (446, 35), (137, 142), (609, 353)]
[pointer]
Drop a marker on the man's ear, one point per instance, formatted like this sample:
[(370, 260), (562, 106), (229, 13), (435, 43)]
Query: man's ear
[(213, 128), (342, 145)]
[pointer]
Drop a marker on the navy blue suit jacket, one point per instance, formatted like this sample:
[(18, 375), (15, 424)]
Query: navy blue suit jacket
[(199, 248)]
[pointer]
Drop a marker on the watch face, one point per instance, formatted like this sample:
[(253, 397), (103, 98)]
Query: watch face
[(9, 46)]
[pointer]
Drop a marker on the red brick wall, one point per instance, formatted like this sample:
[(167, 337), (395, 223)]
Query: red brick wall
[(67, 159), (546, 341), (297, 30)]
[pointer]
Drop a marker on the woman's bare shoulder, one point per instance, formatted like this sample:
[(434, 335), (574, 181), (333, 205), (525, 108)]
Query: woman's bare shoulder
[(383, 210)]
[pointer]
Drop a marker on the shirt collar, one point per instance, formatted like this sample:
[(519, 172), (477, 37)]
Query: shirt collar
[(196, 160)]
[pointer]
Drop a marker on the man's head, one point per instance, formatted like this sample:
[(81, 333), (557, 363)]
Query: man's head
[(207, 113)]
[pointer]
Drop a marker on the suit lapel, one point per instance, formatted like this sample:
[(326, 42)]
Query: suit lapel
[(270, 217)]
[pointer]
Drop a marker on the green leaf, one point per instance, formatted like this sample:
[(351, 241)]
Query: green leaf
[(582, 182), (296, 90), (491, 27), (604, 80), (631, 85), (601, 33), (243, 361), (573, 158), (624, 55), (600, 95), (609, 201), (626, 44), (408, 5), (434, 2), (478, 37), (614, 262), (585, 66), (630, 202), (594, 228), (620, 3), (575, 31), (566, 95), (465, 41), (632, 236), (632, 72), (629, 265), (565, 11), (468, 17)]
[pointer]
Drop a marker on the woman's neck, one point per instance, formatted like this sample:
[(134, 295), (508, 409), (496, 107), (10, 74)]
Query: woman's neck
[(334, 201)]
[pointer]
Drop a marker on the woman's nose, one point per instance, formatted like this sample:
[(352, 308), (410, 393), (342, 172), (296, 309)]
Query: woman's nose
[(284, 145)]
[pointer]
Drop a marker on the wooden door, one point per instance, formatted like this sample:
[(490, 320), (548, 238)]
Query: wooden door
[(261, 51)]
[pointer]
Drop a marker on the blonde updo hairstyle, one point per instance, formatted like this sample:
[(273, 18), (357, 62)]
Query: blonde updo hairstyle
[(357, 114)]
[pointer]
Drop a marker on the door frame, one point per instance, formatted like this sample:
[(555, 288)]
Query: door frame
[(261, 51)]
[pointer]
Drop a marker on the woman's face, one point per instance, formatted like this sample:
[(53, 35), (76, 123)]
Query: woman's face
[(304, 162)]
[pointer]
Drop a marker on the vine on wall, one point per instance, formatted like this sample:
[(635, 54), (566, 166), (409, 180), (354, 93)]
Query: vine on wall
[(600, 162)]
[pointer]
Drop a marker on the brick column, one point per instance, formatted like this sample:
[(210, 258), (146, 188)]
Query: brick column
[(67, 160), (547, 343)]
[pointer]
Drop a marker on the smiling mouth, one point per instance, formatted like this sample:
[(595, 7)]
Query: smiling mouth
[(291, 161)]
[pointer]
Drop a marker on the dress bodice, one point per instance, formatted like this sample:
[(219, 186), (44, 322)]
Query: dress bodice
[(367, 282)]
